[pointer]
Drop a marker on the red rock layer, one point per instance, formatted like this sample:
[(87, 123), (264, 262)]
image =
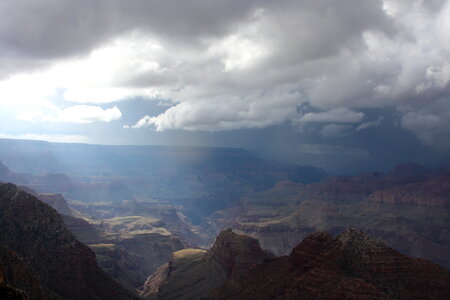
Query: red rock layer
[(351, 266), (432, 192)]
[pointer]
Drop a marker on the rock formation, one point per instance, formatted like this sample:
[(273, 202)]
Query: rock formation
[(350, 266), (408, 208), (35, 233), (194, 273)]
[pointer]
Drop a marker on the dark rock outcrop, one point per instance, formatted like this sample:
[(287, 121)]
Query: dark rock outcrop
[(83, 230), (129, 269), (236, 252), (194, 273), (16, 277), (350, 266), (65, 266)]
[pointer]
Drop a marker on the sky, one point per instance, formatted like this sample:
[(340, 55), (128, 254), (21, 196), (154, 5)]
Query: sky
[(347, 85)]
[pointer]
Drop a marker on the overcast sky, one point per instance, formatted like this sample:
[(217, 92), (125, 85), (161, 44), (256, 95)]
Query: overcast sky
[(347, 85)]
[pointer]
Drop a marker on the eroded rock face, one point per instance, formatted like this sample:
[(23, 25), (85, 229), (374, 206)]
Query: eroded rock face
[(128, 269), (194, 273), (155, 249), (431, 192), (190, 274), (236, 252), (350, 266), (36, 232), (56, 201), (408, 208), (83, 231), (16, 277)]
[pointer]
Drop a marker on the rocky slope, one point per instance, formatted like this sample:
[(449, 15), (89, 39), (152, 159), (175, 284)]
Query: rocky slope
[(84, 231), (128, 249), (58, 202), (408, 208), (350, 266), (129, 269), (114, 257), (194, 273), (139, 236), (61, 264), (16, 277)]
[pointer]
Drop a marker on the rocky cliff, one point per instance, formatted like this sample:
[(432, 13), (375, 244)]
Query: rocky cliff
[(430, 192), (408, 208), (194, 273), (349, 266), (16, 277), (235, 253), (63, 265)]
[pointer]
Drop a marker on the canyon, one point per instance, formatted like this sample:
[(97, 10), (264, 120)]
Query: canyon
[(145, 221)]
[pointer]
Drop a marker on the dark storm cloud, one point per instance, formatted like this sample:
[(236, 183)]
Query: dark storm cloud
[(49, 29), (233, 65), (33, 33)]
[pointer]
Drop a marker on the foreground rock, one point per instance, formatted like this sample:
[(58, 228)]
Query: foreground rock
[(194, 273), (41, 257), (350, 266)]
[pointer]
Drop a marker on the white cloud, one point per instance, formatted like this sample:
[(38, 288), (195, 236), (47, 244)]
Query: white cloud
[(414, 121), (226, 113), (334, 130), (57, 138), (431, 124), (338, 115), (443, 26), (226, 66), (25, 90), (220, 78), (366, 125), (75, 114)]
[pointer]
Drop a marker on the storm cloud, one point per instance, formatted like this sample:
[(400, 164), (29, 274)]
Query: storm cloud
[(233, 65)]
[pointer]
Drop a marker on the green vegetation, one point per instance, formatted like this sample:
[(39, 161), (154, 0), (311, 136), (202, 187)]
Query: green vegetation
[(103, 247), (131, 225), (185, 256)]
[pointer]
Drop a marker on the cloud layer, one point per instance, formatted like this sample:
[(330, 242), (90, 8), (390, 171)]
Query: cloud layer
[(229, 65), (82, 114)]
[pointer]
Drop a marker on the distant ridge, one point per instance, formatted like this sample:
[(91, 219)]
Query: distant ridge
[(407, 207)]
